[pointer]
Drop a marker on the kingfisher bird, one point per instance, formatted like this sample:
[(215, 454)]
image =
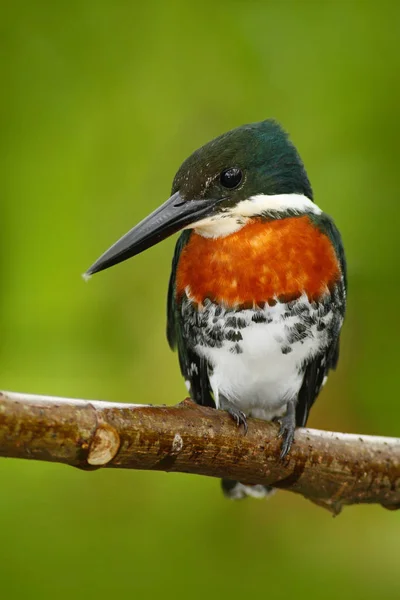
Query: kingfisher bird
[(257, 292)]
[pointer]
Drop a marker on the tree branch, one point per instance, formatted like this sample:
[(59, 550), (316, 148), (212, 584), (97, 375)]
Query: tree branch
[(331, 469)]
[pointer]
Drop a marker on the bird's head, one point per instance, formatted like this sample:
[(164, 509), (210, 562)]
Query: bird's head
[(249, 171)]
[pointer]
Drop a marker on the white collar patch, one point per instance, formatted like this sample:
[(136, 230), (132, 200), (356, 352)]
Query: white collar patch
[(256, 205), (233, 219)]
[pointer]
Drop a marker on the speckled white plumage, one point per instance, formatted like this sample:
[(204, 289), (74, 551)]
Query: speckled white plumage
[(262, 371)]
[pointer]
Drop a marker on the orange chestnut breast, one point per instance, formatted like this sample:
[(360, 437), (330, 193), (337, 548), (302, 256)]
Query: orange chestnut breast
[(261, 261)]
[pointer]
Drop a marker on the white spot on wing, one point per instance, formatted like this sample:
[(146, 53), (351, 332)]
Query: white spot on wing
[(193, 369)]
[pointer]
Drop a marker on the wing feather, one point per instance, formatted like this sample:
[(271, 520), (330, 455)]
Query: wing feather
[(193, 368), (318, 368)]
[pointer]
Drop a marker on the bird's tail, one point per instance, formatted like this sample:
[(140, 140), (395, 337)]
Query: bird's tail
[(237, 491)]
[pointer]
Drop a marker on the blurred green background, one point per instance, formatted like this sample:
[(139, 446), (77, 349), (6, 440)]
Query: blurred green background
[(100, 103)]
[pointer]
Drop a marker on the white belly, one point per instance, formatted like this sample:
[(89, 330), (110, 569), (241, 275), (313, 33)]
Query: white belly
[(267, 371)]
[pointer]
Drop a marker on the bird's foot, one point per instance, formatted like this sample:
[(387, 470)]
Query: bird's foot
[(237, 415), (287, 429)]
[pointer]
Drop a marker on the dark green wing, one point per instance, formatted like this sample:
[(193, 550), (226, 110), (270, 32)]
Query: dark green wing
[(172, 308), (193, 367), (313, 380), (319, 367)]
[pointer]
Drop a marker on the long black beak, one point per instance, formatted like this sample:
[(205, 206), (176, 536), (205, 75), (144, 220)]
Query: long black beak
[(172, 216)]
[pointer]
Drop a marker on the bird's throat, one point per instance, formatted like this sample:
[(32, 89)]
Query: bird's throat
[(234, 218), (220, 226)]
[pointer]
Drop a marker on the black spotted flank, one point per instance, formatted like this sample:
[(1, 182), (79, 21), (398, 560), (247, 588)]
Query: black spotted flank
[(218, 311), (259, 317), (235, 323), (286, 349), (298, 332), (210, 327), (236, 349), (233, 336)]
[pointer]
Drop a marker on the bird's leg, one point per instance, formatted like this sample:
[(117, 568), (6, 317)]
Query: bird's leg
[(287, 428), (233, 411)]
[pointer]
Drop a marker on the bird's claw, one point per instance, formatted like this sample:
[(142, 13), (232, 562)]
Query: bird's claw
[(239, 417), (286, 432)]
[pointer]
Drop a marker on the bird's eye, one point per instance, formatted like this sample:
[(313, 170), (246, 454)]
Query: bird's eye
[(230, 178)]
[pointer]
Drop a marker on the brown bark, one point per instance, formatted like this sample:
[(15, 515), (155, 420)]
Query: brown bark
[(331, 469)]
